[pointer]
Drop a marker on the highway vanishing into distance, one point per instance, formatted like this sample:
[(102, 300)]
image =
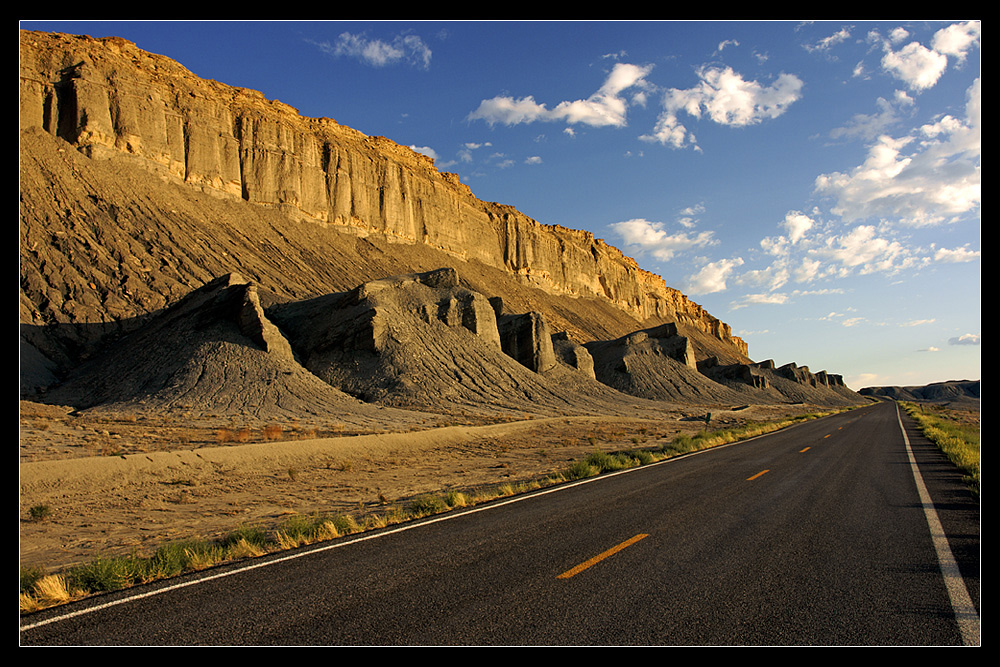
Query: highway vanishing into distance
[(848, 530)]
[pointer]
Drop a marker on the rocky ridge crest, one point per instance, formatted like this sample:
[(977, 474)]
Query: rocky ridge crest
[(110, 100)]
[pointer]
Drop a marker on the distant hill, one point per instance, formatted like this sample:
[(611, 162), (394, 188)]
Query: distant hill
[(957, 393)]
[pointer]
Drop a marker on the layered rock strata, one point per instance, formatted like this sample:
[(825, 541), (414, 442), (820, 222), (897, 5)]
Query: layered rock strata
[(109, 99)]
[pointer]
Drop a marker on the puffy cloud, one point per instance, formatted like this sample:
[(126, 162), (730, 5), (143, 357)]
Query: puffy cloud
[(797, 224), (725, 97), (920, 67), (956, 255), (378, 53), (957, 39), (929, 177), (644, 236), (712, 277), (861, 248), (606, 107), (916, 65)]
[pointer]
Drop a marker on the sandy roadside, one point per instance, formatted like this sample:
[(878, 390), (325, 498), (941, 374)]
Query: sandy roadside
[(103, 505), (106, 505)]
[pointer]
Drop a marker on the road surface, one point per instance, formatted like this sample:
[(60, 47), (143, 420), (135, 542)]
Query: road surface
[(815, 535)]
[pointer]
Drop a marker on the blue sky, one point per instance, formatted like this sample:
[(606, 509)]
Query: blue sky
[(815, 185)]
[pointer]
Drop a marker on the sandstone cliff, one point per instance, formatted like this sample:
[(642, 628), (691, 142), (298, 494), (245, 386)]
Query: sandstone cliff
[(108, 98)]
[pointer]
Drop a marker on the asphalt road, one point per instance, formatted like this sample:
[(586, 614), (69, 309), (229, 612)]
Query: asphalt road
[(815, 535)]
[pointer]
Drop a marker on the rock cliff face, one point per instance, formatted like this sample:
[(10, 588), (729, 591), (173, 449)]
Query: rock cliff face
[(108, 98)]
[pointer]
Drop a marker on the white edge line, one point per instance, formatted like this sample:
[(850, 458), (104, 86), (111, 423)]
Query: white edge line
[(361, 538), (965, 612)]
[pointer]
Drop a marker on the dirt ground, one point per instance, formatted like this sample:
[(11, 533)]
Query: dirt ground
[(118, 487)]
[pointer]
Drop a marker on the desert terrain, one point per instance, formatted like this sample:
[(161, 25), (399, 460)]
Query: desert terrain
[(117, 487), (231, 314)]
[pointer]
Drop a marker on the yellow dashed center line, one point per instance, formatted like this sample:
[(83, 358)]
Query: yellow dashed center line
[(598, 558), (806, 449), (750, 479)]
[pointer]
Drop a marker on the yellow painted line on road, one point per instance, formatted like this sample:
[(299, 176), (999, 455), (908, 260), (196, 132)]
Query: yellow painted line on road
[(750, 479), (598, 558), (827, 435), (805, 450)]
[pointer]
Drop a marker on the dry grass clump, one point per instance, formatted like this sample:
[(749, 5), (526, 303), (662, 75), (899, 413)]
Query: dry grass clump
[(955, 434)]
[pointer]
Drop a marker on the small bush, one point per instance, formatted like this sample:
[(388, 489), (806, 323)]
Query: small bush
[(581, 470), (426, 504), (39, 513)]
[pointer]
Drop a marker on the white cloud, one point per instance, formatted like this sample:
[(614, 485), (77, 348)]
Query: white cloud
[(606, 107), (929, 177), (403, 48), (957, 39), (956, 255), (797, 224), (725, 98), (965, 339), (862, 249), (916, 65), (644, 236), (426, 150), (766, 299), (807, 271), (773, 277), (867, 127), (712, 277), (920, 67), (827, 43)]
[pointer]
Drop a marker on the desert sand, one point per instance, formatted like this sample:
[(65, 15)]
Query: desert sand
[(121, 487)]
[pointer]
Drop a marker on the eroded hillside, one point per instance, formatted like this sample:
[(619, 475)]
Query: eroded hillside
[(142, 186)]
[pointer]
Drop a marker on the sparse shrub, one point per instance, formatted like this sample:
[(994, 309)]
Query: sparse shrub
[(643, 457), (273, 432), (39, 513), (425, 505), (580, 470)]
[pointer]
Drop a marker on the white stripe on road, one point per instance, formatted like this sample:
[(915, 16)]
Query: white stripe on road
[(965, 612)]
